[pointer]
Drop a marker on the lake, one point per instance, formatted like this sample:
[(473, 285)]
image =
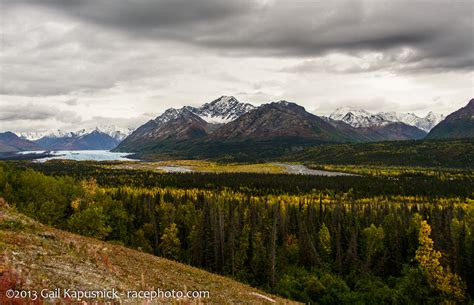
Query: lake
[(80, 155)]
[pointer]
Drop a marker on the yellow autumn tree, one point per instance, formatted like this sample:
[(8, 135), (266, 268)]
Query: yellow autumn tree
[(325, 240), (447, 283)]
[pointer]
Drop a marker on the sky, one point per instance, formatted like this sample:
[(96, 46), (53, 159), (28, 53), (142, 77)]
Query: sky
[(70, 64)]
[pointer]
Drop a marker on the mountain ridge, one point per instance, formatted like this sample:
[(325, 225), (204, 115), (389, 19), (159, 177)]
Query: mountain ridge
[(274, 129), (90, 264), (226, 122), (95, 140), (10, 142), (115, 132), (459, 124)]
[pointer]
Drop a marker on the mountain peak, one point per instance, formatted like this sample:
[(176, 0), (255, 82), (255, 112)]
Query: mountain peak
[(222, 110), (224, 100), (357, 117), (284, 103)]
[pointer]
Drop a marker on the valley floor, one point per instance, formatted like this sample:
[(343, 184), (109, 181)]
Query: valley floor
[(185, 166)]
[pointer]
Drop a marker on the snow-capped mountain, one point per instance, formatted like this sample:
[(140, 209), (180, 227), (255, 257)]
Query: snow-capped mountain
[(362, 118), (115, 132), (187, 122), (118, 133), (357, 117), (169, 115), (35, 135), (222, 110)]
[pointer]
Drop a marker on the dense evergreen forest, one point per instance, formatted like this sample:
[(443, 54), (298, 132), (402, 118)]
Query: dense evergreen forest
[(454, 153), (458, 153), (326, 240)]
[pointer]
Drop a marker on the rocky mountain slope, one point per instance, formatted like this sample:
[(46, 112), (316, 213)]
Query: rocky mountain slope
[(187, 123), (459, 124), (10, 142), (394, 131), (271, 129), (172, 126), (95, 140), (222, 110), (279, 119), (389, 131), (37, 257)]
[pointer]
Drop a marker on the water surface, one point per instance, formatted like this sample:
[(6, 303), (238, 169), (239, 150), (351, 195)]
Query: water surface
[(82, 155), (303, 170)]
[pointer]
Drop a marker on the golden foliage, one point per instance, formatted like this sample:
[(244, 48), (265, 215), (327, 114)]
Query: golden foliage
[(449, 284)]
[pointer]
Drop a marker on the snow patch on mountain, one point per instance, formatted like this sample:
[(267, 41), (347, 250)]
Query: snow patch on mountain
[(424, 123), (220, 111), (357, 117)]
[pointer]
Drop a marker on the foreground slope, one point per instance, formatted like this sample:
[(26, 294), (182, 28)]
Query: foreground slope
[(43, 257)]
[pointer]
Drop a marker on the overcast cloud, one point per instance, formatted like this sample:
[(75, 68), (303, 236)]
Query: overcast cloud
[(65, 64)]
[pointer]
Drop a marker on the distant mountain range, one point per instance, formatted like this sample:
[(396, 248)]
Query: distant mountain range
[(104, 137), (10, 142), (227, 127), (115, 132), (96, 139), (360, 118), (270, 129)]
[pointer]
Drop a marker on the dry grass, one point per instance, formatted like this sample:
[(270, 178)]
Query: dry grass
[(209, 166), (43, 257), (205, 166)]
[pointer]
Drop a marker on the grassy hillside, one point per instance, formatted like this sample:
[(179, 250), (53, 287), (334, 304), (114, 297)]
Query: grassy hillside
[(35, 256), (431, 153)]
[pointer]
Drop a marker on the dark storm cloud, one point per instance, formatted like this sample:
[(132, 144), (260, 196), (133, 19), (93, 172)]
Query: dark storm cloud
[(439, 32), (35, 112), (146, 15)]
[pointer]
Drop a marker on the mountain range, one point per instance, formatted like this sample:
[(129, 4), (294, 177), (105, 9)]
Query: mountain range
[(226, 126), (115, 132), (93, 140), (361, 118), (270, 129), (10, 142)]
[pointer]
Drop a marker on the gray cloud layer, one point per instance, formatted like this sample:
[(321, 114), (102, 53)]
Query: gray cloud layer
[(440, 33), (32, 112), (75, 59)]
